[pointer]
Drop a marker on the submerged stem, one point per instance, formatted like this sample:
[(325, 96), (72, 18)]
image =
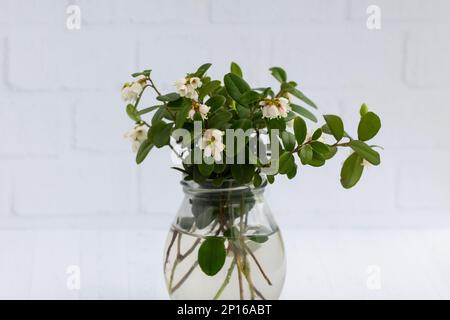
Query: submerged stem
[(227, 280), (258, 264)]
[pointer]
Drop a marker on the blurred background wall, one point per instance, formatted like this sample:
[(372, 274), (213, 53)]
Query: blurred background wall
[(64, 162), (62, 156)]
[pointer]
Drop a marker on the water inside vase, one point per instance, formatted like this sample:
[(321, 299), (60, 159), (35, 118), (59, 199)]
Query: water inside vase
[(260, 276)]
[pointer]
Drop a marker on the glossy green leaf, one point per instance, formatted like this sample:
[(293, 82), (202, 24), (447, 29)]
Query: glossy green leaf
[(258, 238), (149, 109), (317, 134), (249, 97), (202, 70), (306, 154), (206, 169), (257, 180), (303, 112), (235, 85), (219, 119), (133, 113), (292, 173), (236, 69), (289, 141), (279, 74), (363, 110), (208, 88), (143, 151), (168, 97), (351, 170), (300, 130), (320, 147), (243, 124), (211, 255), (335, 125), (243, 173), (365, 152), (287, 162), (159, 133), (369, 125), (298, 94), (215, 102), (182, 114)]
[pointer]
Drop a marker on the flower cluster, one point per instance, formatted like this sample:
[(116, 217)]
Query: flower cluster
[(275, 107), (202, 109), (137, 135), (131, 91), (212, 144), (187, 87)]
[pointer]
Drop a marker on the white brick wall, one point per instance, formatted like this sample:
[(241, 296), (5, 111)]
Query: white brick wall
[(62, 156)]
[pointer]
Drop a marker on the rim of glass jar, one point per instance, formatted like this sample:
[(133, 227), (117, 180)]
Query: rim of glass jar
[(192, 187)]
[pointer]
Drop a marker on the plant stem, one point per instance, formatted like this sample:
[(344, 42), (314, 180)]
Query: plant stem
[(227, 280), (241, 288), (177, 260), (184, 278), (257, 264), (248, 276), (175, 234)]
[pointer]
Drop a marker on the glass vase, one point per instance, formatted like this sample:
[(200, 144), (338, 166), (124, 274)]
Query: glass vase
[(224, 244)]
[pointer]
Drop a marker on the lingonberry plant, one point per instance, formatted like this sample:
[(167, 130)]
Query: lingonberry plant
[(232, 139), (232, 105)]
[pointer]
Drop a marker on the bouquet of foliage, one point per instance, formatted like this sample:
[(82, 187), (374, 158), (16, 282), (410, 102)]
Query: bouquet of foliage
[(218, 129)]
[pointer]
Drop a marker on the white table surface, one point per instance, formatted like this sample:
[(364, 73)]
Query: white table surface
[(322, 263)]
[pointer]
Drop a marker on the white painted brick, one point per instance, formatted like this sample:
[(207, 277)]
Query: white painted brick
[(101, 121), (410, 118), (161, 192), (25, 12), (168, 59), (144, 11), (31, 124), (424, 183), (276, 12), (168, 64), (340, 57), (75, 186), (71, 60), (427, 62), (403, 10), (5, 196)]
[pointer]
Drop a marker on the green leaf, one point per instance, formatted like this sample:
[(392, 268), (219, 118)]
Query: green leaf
[(331, 152), (317, 134), (335, 125), (279, 124), (258, 238), (298, 94), (351, 171), (133, 113), (159, 114), (202, 70), (303, 112), (197, 175), (279, 74), (219, 167), (320, 147), (249, 97), (270, 179), (159, 133), (143, 151), (317, 160), (292, 173), (365, 151), (257, 180), (168, 97), (218, 181), (211, 255), (288, 140), (363, 110), (236, 69), (149, 109), (216, 102), (300, 130), (287, 162), (183, 114), (243, 173), (368, 127), (235, 85), (219, 119), (206, 169), (306, 154), (208, 88)]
